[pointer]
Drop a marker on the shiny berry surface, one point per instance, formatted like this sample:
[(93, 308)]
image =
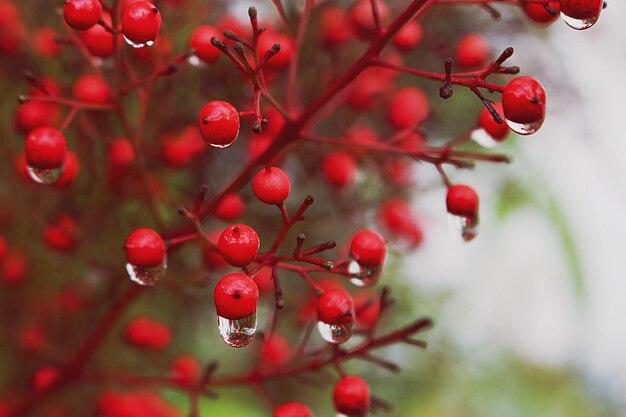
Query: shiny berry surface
[(145, 248), (368, 248), (92, 89), (335, 307), (141, 22), (236, 296), (473, 51), (271, 185), (462, 200), (524, 100), (219, 123), (239, 244), (352, 396), (82, 14), (46, 148)]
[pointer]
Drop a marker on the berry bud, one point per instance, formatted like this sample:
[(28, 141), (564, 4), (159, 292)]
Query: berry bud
[(239, 244), (462, 200), (236, 296), (145, 248), (352, 397), (292, 409), (82, 14), (219, 123), (271, 185)]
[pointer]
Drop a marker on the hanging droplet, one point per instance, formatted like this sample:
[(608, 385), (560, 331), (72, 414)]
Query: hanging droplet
[(45, 176), (524, 129), (363, 276), (465, 228), (484, 139), (579, 24), (195, 61), (146, 276), (335, 333), (138, 45), (237, 333)]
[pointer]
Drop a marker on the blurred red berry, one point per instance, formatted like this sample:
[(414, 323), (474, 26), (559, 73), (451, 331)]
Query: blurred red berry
[(146, 333)]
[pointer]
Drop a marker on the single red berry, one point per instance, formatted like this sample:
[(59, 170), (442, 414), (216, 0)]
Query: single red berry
[(352, 397), (186, 370), (283, 57), (44, 42), (14, 266), (34, 114), (45, 148), (473, 51), (409, 37), (236, 296), (400, 171), (335, 307), (145, 248), (271, 185), (276, 351), (586, 10), (62, 235), (92, 89), (339, 168), (82, 14), (407, 108), (200, 42), (219, 123), (44, 378), (120, 153), (141, 22), (146, 333), (229, 208), (368, 248), (292, 409), (362, 19), (239, 244), (98, 40), (333, 28), (264, 280), (462, 200), (498, 131), (398, 217), (524, 101), (538, 12), (12, 29), (180, 151), (367, 308)]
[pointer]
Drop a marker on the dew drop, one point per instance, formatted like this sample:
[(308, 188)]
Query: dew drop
[(335, 333), (45, 176), (363, 276), (237, 333), (464, 228), (146, 276), (524, 129), (195, 61), (484, 139), (579, 24), (137, 45)]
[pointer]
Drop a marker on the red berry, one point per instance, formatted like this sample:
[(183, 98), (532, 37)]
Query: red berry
[(82, 14), (62, 235), (44, 42), (524, 101), (462, 200), (229, 208), (276, 351), (539, 13), (92, 89), (283, 57), (141, 22), (146, 333), (271, 185), (186, 369), (34, 114), (367, 308), (135, 404), (362, 18), (98, 40), (335, 307), (407, 108), (264, 281), (292, 409), (339, 168), (236, 296), (219, 123), (14, 266), (409, 36), (582, 9), (44, 378), (181, 150), (352, 397), (201, 43), (333, 28), (239, 244), (145, 248), (498, 131), (397, 216), (473, 51), (46, 148), (368, 248), (121, 153)]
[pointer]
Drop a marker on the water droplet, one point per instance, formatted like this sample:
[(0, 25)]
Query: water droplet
[(146, 276), (137, 45), (335, 333), (45, 176), (484, 139), (524, 129), (363, 276), (220, 145), (465, 228), (237, 333), (195, 61), (579, 24)]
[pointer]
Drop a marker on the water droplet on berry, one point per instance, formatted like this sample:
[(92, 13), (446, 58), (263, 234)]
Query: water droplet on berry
[(138, 45), (484, 139), (464, 228), (579, 24), (45, 176), (195, 61), (524, 129), (363, 276), (237, 333), (146, 276), (335, 333)]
